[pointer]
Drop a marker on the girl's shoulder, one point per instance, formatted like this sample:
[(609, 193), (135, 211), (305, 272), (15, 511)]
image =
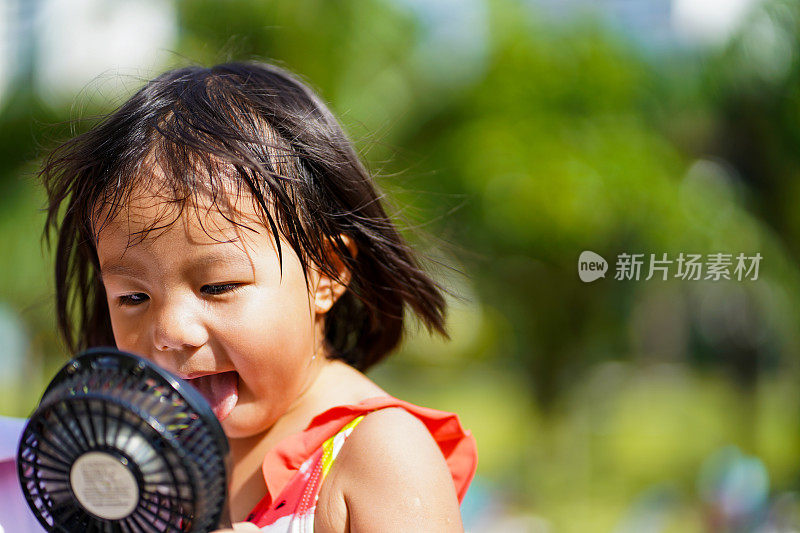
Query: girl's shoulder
[(406, 435), (418, 459), (383, 423)]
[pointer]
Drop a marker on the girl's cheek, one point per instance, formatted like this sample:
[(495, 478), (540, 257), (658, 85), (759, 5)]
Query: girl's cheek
[(127, 335)]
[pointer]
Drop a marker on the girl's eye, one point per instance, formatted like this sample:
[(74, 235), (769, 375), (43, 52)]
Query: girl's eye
[(214, 290), (132, 299)]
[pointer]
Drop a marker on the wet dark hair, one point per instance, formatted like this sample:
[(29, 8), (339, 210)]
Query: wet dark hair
[(258, 126)]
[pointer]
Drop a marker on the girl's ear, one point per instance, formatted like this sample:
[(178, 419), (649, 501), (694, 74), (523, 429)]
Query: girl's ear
[(328, 290)]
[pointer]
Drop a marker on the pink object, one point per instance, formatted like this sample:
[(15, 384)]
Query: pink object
[(15, 515)]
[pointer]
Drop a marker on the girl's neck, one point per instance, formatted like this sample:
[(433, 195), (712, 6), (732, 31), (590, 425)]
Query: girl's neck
[(246, 486)]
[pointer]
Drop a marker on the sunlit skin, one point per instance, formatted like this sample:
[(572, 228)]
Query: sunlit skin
[(203, 296)]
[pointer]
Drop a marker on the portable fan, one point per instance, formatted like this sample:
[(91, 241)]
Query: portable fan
[(120, 444)]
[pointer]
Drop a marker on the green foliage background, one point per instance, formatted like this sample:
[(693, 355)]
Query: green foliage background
[(596, 407)]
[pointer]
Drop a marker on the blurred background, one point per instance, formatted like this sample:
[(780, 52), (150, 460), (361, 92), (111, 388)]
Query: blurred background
[(511, 136)]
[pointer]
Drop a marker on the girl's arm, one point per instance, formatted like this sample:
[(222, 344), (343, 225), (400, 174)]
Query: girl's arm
[(394, 478)]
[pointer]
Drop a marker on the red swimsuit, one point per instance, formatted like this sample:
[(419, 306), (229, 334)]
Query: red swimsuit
[(295, 468)]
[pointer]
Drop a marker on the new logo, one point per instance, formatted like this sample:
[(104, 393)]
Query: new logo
[(591, 266)]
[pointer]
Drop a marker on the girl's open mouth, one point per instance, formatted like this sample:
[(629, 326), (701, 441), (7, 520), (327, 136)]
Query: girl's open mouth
[(221, 391)]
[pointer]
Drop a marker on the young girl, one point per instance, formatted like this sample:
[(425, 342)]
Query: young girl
[(220, 224)]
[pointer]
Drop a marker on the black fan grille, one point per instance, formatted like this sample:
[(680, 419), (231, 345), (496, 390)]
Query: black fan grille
[(139, 417)]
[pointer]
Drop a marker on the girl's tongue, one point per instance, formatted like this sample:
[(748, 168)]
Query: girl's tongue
[(220, 390)]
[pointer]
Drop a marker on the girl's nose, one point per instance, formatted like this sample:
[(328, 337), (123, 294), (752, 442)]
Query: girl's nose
[(178, 326)]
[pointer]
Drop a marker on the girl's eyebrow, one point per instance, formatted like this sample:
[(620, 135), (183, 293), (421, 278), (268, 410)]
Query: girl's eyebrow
[(120, 269), (135, 270), (235, 260)]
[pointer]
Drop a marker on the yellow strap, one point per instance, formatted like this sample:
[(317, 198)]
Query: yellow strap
[(331, 447)]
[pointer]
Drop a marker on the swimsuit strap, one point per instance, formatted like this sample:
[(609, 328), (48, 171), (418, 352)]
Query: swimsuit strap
[(294, 511), (330, 449)]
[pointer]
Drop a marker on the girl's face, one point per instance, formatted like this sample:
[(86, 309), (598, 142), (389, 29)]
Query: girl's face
[(212, 303)]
